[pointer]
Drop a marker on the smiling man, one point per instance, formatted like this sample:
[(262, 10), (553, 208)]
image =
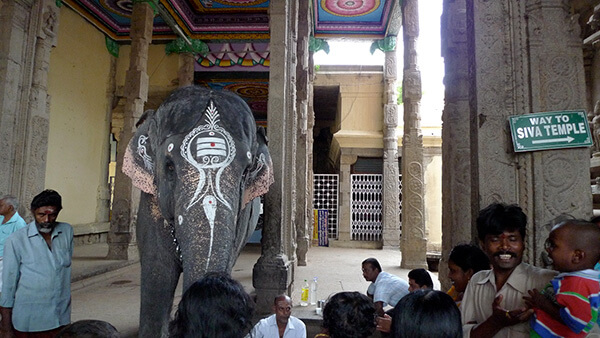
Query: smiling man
[(36, 289), (493, 304)]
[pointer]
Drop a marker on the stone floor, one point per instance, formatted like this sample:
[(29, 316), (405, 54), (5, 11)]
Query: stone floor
[(109, 290)]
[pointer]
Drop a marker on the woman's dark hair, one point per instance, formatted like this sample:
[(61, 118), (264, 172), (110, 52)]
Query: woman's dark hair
[(421, 277), (424, 314), (499, 217), (468, 256), (349, 315), (89, 329), (47, 198), (214, 306)]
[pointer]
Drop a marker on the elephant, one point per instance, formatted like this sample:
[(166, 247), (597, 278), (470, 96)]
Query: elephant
[(201, 165)]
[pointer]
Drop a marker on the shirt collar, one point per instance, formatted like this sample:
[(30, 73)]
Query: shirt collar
[(33, 231), (517, 279)]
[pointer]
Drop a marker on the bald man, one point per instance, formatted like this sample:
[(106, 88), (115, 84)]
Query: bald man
[(280, 324)]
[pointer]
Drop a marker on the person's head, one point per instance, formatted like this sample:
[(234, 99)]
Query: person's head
[(45, 208), (574, 245), (282, 307), (8, 205), (424, 314), (464, 261), (419, 279), (371, 269), (89, 329), (349, 315), (214, 306), (501, 232)]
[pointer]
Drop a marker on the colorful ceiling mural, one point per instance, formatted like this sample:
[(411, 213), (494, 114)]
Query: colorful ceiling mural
[(237, 34), (238, 19)]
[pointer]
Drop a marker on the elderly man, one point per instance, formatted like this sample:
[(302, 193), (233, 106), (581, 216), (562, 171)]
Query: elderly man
[(493, 304), (280, 324), (385, 288), (36, 290), (10, 221)]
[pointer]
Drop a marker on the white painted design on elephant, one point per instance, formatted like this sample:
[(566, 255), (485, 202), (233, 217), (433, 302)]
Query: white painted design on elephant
[(180, 219), (210, 149), (170, 147), (249, 155), (141, 150), (209, 203)]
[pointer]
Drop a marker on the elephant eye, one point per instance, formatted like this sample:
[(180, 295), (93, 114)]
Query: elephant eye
[(169, 167)]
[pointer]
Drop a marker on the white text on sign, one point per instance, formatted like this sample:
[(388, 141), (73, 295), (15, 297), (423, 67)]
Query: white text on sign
[(550, 126)]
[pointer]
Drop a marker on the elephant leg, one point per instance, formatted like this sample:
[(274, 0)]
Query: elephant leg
[(160, 269)]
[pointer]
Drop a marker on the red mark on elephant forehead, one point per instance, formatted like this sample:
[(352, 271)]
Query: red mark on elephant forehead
[(212, 144)]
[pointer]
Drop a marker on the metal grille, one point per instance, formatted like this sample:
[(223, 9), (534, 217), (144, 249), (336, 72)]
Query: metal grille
[(366, 206), (326, 192)]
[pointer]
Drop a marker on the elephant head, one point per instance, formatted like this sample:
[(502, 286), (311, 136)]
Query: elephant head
[(201, 158)]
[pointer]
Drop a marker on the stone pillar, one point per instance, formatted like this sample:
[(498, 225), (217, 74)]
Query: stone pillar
[(121, 238), (273, 272), (414, 241), (345, 196), (27, 34), (458, 210), (560, 178), (303, 185), (185, 75), (391, 219)]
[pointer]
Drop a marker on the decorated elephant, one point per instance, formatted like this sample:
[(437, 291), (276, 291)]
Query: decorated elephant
[(202, 166)]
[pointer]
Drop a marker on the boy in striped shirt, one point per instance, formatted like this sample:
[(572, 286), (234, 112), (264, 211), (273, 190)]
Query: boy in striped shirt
[(568, 307)]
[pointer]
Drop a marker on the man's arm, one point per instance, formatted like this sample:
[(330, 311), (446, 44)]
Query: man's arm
[(500, 319), (538, 300), (6, 327), (379, 309)]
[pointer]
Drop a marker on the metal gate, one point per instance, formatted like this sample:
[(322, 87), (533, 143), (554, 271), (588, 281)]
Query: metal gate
[(325, 196), (366, 206)]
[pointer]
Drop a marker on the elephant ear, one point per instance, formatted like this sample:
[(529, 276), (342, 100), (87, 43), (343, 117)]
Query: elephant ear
[(138, 161), (260, 175)]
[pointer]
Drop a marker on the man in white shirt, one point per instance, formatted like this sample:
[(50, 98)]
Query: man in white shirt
[(10, 221), (385, 288), (280, 324), (493, 304)]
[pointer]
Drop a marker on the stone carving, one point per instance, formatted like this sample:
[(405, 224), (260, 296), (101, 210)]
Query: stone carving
[(596, 128)]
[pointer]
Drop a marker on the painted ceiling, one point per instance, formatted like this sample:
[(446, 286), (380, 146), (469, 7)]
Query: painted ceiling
[(237, 33)]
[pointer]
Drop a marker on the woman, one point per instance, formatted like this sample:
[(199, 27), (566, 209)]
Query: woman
[(424, 314), (348, 315), (464, 261)]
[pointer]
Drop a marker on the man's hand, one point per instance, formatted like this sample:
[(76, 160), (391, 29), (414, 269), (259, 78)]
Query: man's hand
[(384, 324), (500, 319)]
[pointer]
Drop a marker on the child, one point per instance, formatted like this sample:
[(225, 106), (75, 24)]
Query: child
[(571, 308)]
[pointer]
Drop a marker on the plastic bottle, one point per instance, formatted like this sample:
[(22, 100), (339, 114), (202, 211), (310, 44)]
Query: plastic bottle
[(304, 296), (313, 292)]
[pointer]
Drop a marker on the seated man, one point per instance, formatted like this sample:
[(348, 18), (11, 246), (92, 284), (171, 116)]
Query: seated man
[(419, 279), (385, 288), (281, 323)]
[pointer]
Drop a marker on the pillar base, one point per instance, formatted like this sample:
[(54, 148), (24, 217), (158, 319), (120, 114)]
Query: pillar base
[(270, 278)]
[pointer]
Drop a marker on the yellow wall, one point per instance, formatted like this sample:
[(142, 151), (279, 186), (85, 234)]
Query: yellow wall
[(359, 119), (77, 84)]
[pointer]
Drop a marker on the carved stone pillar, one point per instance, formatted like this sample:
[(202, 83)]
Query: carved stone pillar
[(391, 219), (121, 238), (27, 35), (414, 241), (303, 184), (457, 207), (560, 178), (273, 273)]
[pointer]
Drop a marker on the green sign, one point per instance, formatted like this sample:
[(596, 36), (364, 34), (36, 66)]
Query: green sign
[(550, 130)]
